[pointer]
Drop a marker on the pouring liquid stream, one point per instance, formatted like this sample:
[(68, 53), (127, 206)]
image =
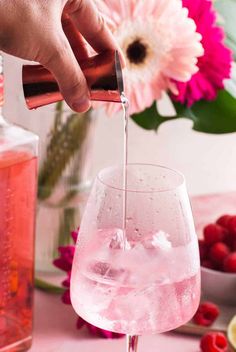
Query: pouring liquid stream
[(125, 105)]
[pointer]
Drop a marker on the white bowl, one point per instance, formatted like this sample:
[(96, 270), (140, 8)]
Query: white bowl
[(218, 286)]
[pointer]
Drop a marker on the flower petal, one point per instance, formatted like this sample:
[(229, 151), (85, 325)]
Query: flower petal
[(213, 69), (80, 323), (66, 297), (168, 56)]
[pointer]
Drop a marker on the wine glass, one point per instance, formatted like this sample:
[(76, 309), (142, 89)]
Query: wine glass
[(141, 275)]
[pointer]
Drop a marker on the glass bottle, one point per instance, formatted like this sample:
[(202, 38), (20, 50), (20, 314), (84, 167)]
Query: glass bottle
[(18, 183)]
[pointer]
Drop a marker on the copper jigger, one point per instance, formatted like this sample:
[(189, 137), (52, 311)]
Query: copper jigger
[(103, 74)]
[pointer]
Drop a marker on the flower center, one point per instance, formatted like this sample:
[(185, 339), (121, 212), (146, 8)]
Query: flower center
[(136, 52)]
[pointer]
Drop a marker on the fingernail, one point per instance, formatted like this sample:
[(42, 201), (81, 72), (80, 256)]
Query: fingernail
[(82, 104)]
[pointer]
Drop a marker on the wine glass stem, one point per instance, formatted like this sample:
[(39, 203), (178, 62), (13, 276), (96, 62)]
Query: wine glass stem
[(132, 343)]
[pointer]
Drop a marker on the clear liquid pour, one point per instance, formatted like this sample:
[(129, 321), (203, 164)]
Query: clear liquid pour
[(125, 105)]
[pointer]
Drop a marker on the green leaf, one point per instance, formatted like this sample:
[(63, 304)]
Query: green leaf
[(218, 116), (45, 286), (150, 119)]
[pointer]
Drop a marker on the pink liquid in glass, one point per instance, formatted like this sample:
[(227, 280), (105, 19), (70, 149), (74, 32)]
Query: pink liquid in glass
[(137, 291), (18, 175)]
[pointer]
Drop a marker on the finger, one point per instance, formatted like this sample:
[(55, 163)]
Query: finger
[(61, 61), (92, 26), (76, 40)]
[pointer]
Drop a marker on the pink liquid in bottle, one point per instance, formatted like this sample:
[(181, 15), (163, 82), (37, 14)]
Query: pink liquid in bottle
[(18, 174)]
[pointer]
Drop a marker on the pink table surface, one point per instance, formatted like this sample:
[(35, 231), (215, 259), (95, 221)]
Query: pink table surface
[(55, 331)]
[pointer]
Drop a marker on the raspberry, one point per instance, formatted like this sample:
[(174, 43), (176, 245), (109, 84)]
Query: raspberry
[(234, 246), (208, 264), (214, 342), (224, 221), (230, 238), (202, 249), (232, 224), (218, 252), (214, 233), (230, 263), (206, 314)]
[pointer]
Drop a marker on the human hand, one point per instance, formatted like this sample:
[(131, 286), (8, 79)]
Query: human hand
[(33, 30)]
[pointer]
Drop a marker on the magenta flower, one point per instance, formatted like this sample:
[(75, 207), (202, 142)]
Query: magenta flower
[(66, 297), (64, 262), (215, 65), (66, 282), (97, 331), (74, 235)]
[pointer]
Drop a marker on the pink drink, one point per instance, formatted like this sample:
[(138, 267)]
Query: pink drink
[(151, 287), (17, 216)]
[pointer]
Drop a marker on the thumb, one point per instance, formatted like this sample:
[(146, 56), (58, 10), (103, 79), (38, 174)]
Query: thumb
[(60, 61)]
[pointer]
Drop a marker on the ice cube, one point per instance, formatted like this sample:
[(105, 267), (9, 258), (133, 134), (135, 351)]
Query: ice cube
[(158, 240), (106, 270), (119, 241)]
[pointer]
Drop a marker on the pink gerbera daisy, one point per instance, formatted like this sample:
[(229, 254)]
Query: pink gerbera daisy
[(159, 42), (215, 64)]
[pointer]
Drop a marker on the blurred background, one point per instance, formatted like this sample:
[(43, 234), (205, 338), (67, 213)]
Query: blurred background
[(206, 160)]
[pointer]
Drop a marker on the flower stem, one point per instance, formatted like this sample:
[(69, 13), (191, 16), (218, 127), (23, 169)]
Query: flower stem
[(67, 224), (66, 139), (45, 286), (132, 343)]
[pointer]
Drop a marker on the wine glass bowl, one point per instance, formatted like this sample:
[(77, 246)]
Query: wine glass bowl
[(140, 276)]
